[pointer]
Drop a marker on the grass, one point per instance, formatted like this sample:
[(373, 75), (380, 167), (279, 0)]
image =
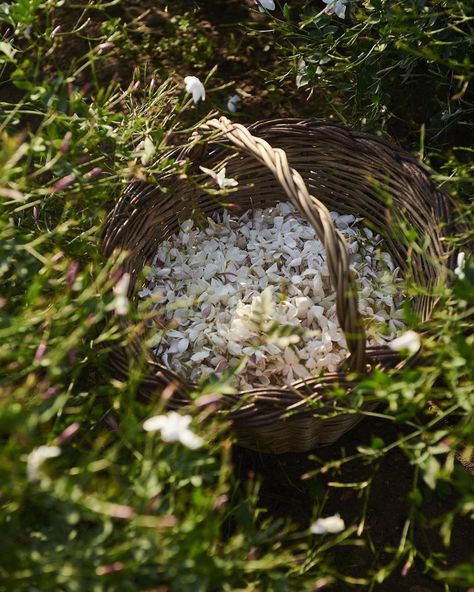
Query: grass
[(120, 509)]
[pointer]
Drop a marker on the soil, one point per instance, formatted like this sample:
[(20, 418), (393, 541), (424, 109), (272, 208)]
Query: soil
[(188, 39)]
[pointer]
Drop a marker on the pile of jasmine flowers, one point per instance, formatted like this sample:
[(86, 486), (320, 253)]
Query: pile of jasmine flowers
[(257, 288)]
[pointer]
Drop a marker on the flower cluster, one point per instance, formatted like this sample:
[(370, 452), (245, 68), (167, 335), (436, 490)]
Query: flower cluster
[(258, 288)]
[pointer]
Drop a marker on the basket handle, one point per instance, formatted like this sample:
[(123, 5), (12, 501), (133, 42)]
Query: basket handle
[(318, 215)]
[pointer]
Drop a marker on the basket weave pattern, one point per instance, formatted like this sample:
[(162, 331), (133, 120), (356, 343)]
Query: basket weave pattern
[(318, 166)]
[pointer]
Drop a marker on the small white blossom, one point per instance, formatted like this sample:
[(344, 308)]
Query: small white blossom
[(196, 88), (174, 428), (266, 4), (120, 303), (336, 6), (233, 103), (331, 524), (459, 271), (410, 340), (37, 457), (220, 177)]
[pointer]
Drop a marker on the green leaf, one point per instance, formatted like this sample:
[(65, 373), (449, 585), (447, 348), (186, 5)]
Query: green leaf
[(431, 472)]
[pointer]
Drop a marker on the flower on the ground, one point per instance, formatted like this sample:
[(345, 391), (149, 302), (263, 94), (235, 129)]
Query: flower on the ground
[(233, 103), (331, 524), (120, 302), (174, 428), (37, 457), (266, 4), (220, 177), (459, 270), (410, 340), (337, 7), (196, 88)]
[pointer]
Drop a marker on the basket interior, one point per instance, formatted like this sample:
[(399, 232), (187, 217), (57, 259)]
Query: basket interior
[(387, 199)]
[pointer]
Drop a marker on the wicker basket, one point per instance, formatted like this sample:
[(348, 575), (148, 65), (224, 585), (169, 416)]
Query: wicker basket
[(347, 171)]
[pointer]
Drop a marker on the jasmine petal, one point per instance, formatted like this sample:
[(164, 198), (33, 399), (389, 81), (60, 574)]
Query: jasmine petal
[(266, 5), (329, 525), (174, 428), (410, 340), (258, 286), (338, 7), (459, 270), (194, 86), (233, 103)]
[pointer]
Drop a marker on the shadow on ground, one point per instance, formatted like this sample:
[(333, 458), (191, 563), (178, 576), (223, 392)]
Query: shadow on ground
[(285, 492)]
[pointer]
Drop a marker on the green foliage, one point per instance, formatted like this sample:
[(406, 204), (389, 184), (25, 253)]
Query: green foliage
[(120, 509), (20, 14), (390, 64)]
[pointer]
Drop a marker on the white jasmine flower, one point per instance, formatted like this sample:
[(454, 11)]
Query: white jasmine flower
[(410, 340), (336, 6), (120, 302), (459, 271), (174, 428), (266, 4), (196, 88), (37, 457), (220, 177), (331, 524), (233, 103)]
